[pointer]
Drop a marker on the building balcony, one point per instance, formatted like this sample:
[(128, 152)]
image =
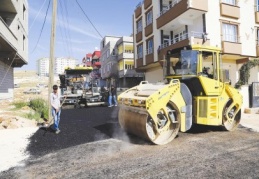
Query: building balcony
[(7, 35), (182, 41), (9, 47), (139, 36), (257, 17), (139, 62), (129, 73), (229, 10), (138, 10), (149, 29), (147, 3), (231, 47), (182, 10), (129, 54), (8, 6), (149, 57)]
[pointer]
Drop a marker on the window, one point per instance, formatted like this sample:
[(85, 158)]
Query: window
[(257, 37), (24, 9), (149, 18), (140, 51), (176, 38), (166, 41), (113, 52), (232, 2), (23, 42), (139, 26), (229, 32), (150, 46), (257, 5), (183, 63)]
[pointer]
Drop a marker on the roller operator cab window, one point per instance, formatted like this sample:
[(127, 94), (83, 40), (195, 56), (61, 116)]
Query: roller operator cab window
[(183, 63)]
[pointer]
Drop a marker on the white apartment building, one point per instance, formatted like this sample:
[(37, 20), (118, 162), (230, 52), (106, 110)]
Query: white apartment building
[(13, 42), (162, 25), (60, 65), (109, 70)]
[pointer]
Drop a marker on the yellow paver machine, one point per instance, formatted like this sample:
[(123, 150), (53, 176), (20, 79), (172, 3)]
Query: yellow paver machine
[(196, 91)]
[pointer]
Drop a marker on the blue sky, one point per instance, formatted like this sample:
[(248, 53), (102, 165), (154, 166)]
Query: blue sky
[(75, 36)]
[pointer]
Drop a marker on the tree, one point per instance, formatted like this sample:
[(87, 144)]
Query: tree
[(244, 72)]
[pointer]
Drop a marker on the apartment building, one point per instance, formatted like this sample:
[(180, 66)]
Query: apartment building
[(127, 75), (109, 68), (87, 60), (117, 59), (60, 65), (162, 25), (13, 42)]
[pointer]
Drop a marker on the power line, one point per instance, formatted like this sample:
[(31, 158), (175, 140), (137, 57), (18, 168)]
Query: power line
[(65, 29), (61, 32), (41, 28), (37, 14), (89, 19), (65, 3)]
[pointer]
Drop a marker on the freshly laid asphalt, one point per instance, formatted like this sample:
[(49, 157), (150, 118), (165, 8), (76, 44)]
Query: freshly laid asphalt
[(78, 126), (85, 125)]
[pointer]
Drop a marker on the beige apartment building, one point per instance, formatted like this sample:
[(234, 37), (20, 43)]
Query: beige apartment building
[(127, 75), (162, 25), (13, 42)]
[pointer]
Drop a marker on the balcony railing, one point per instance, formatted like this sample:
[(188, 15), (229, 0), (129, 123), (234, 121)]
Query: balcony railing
[(140, 55), (8, 34), (182, 37), (129, 73), (128, 51), (167, 8)]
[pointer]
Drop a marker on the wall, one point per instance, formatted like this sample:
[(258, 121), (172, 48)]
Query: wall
[(6, 81), (154, 75), (247, 30)]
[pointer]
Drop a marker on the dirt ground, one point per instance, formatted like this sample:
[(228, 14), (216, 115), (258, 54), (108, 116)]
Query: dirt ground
[(11, 118)]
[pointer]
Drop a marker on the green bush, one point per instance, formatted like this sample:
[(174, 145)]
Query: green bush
[(20, 104), (33, 115), (40, 106)]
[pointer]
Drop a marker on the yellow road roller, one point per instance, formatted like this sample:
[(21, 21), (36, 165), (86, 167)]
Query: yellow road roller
[(195, 91)]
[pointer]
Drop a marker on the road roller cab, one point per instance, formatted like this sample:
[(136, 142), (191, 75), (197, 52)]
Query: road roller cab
[(197, 91)]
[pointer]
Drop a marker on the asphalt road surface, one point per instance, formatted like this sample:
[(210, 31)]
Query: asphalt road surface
[(92, 145)]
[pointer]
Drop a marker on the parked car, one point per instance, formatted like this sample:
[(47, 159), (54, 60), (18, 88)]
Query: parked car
[(32, 91), (41, 85)]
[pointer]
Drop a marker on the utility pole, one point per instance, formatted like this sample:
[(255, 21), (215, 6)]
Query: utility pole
[(52, 52)]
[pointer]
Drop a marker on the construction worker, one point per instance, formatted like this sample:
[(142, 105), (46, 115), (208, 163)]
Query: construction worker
[(112, 96), (55, 107)]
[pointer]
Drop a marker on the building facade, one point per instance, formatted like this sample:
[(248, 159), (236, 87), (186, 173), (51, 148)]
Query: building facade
[(162, 25), (117, 59), (127, 75), (109, 68), (13, 42), (60, 65)]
